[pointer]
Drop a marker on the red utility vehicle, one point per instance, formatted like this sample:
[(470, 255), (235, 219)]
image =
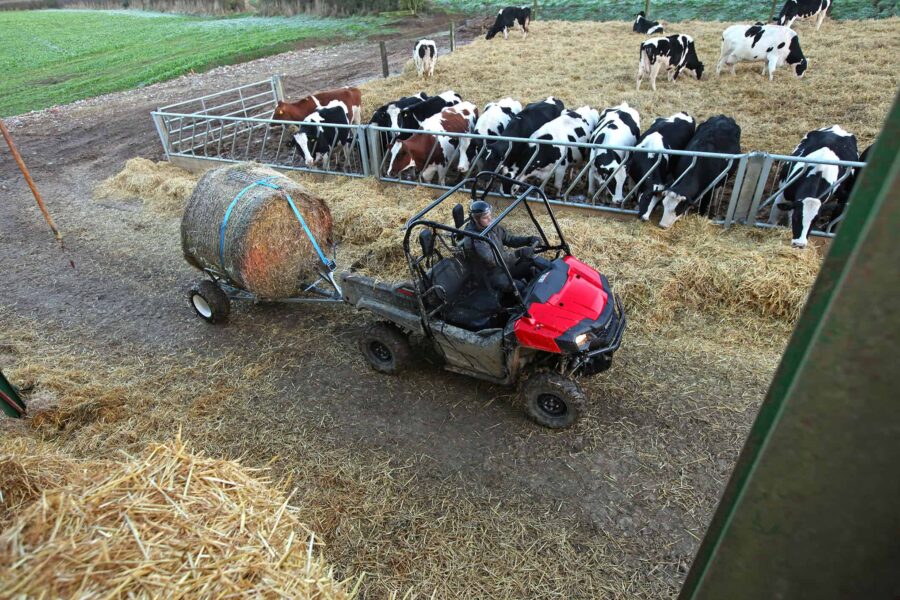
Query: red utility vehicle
[(546, 333)]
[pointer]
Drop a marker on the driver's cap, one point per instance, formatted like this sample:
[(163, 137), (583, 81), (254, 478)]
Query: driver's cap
[(479, 207)]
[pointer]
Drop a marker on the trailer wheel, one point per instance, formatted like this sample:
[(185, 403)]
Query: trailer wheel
[(553, 400), (386, 348), (209, 301)]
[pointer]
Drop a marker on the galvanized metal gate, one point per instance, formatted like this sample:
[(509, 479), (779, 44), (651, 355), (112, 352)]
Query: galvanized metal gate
[(236, 125)]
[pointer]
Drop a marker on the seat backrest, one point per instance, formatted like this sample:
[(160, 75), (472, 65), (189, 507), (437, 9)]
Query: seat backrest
[(448, 277)]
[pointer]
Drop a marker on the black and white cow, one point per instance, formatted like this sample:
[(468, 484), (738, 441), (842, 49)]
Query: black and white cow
[(493, 121), (509, 158), (695, 182), (507, 18), (317, 141), (388, 114), (425, 57), (773, 44), (675, 52), (803, 9), (619, 126), (571, 126), (812, 184), (412, 116), (670, 133), (644, 25)]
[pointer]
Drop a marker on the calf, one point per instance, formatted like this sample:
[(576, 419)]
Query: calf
[(644, 25), (351, 97), (570, 126), (429, 153), (493, 121), (803, 9), (414, 115), (672, 133), (507, 18), (425, 56), (773, 44), (500, 153), (317, 141), (387, 115), (811, 184), (715, 135), (676, 52), (619, 126)]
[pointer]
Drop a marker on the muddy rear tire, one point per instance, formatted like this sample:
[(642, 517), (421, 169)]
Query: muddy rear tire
[(386, 348), (209, 301), (553, 400)]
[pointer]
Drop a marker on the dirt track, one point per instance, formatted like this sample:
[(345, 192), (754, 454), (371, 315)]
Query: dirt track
[(111, 299)]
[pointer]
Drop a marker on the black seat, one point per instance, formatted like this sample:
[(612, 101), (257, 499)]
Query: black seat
[(458, 299)]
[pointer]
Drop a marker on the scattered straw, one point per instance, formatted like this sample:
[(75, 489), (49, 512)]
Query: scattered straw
[(851, 79), (165, 523), (162, 186)]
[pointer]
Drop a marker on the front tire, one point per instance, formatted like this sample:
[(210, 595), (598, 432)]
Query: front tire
[(553, 400), (386, 348), (209, 301)]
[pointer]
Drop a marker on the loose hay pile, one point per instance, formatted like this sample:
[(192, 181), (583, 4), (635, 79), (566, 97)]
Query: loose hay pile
[(166, 523), (261, 246), (160, 185), (851, 79)]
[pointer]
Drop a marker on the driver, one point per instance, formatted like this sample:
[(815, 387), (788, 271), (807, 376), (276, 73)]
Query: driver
[(520, 263)]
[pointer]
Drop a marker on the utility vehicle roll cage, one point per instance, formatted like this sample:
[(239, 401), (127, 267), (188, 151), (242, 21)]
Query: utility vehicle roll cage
[(457, 233)]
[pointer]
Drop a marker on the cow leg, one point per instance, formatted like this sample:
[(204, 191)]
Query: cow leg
[(640, 74), (592, 181), (558, 177), (821, 19), (811, 208), (771, 64), (654, 71), (506, 33), (732, 68), (346, 148), (776, 214)]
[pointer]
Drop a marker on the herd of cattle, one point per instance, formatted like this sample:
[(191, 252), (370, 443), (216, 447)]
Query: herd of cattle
[(677, 182)]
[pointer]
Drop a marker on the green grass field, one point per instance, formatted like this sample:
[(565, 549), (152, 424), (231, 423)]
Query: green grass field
[(51, 57), (669, 10)]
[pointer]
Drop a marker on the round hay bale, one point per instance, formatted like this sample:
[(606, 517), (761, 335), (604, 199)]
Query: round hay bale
[(264, 250)]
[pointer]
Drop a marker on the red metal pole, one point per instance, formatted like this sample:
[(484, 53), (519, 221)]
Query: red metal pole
[(24, 169)]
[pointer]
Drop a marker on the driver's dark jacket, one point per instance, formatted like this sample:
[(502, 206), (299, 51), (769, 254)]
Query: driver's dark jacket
[(477, 249)]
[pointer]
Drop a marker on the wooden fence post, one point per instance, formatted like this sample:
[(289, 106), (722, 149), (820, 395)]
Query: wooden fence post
[(452, 36), (384, 60), (647, 9), (534, 9), (772, 12)]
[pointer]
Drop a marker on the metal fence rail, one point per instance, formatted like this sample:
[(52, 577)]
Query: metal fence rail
[(236, 125)]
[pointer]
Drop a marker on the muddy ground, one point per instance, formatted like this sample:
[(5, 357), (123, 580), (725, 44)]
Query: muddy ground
[(117, 289)]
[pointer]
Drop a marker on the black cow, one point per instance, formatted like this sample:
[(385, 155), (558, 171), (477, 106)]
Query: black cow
[(671, 133), (501, 153), (317, 141), (644, 25), (507, 18), (803, 9), (717, 134), (388, 115), (412, 116), (812, 184), (676, 52)]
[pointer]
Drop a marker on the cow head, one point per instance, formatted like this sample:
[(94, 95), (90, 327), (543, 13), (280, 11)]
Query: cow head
[(494, 155), (803, 213), (308, 140), (674, 206), (646, 203), (695, 68), (401, 158), (795, 57), (279, 115)]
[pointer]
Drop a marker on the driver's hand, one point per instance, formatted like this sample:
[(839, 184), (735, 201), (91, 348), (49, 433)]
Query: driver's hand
[(534, 241), (526, 252)]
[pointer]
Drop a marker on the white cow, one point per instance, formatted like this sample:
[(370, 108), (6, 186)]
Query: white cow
[(571, 126), (425, 55), (775, 45), (619, 126), (493, 121)]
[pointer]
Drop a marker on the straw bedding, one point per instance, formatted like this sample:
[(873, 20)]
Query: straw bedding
[(264, 248), (851, 80), (165, 523)]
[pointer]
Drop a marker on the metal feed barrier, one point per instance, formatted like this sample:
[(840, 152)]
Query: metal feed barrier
[(236, 126)]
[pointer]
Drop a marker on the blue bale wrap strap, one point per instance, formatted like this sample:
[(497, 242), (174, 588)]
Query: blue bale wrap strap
[(328, 263)]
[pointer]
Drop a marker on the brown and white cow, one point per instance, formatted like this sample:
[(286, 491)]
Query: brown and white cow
[(431, 153), (351, 97)]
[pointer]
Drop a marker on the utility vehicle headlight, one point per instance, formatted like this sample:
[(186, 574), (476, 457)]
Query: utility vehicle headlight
[(582, 339)]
